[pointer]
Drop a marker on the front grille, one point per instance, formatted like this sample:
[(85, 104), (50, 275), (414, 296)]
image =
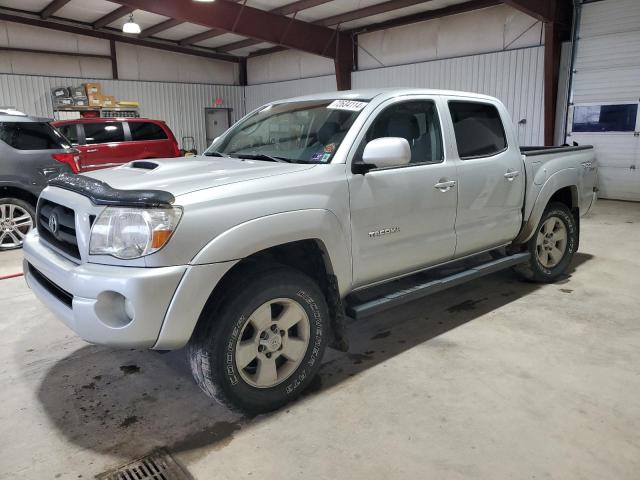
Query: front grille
[(62, 295), (59, 231)]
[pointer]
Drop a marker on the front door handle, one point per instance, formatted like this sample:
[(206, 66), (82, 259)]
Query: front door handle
[(511, 174), (92, 150), (445, 186)]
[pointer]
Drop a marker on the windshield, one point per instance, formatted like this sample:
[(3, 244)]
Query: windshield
[(308, 132)]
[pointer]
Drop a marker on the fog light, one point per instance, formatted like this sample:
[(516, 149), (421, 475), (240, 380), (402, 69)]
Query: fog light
[(113, 309)]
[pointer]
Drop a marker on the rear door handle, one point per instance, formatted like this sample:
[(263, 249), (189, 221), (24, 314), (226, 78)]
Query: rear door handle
[(511, 174), (445, 186)]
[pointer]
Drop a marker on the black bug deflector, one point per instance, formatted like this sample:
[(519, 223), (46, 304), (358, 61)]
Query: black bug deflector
[(101, 193)]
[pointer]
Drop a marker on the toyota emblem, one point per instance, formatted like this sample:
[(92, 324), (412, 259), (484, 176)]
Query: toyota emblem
[(53, 223)]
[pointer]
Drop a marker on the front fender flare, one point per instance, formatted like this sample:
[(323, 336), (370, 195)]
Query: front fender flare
[(262, 233)]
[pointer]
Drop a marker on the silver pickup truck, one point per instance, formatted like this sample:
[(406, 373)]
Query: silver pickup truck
[(306, 212)]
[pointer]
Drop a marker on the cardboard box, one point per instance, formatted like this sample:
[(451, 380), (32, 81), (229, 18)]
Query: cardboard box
[(60, 92), (78, 92), (108, 101), (81, 101), (95, 100), (93, 89), (127, 104)]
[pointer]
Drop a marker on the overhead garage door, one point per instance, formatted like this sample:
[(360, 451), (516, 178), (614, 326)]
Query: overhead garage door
[(606, 94)]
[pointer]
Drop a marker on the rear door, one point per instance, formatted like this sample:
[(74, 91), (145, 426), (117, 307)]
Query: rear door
[(103, 142), (490, 173), (402, 218)]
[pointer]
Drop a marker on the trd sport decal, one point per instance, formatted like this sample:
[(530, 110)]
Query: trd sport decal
[(384, 231)]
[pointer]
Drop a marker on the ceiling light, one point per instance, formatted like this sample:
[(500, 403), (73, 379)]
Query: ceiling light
[(131, 26)]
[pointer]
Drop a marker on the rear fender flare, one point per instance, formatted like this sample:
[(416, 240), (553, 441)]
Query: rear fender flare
[(562, 179)]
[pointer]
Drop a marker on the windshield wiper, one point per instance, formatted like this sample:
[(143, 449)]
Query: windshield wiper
[(261, 156)]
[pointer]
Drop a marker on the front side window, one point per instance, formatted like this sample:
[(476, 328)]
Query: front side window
[(418, 123), (306, 132), (478, 129), (103, 132), (31, 136), (146, 131), (70, 132)]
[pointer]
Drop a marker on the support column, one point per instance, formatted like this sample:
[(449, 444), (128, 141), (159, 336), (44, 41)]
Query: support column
[(552, 49)]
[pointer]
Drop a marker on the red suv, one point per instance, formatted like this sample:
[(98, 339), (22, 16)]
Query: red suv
[(109, 142)]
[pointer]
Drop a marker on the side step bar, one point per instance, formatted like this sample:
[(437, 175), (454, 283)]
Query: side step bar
[(421, 290)]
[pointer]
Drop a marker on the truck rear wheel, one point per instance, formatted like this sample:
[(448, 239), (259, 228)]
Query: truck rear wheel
[(552, 245), (261, 346)]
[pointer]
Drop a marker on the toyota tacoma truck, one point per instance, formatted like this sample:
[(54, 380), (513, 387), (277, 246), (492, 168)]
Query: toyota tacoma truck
[(306, 212)]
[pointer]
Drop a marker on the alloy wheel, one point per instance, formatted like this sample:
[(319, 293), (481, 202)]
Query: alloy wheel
[(551, 243), (15, 223)]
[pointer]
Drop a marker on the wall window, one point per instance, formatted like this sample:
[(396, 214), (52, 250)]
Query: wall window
[(103, 132), (418, 123), (605, 118), (478, 129), (146, 131)]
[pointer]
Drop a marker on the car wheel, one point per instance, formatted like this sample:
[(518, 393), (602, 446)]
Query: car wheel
[(17, 218), (552, 245), (261, 346)]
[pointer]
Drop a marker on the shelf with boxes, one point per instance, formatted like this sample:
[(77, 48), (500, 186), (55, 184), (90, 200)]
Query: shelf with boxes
[(87, 100)]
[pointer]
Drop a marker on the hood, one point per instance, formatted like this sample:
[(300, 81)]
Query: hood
[(179, 176)]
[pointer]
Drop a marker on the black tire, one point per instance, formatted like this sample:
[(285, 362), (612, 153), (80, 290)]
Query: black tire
[(28, 208), (212, 349), (534, 270)]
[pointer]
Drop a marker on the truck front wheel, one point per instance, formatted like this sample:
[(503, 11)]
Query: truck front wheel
[(552, 245), (261, 345)]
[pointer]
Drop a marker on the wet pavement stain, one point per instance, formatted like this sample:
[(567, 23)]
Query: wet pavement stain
[(129, 369), (380, 335), (358, 358), (129, 421), (218, 436), (465, 306), (566, 290)]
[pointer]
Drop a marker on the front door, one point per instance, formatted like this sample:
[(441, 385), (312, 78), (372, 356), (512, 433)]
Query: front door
[(216, 123), (103, 145), (400, 220), (491, 178)]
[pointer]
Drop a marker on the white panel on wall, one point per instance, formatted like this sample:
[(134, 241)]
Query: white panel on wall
[(143, 63), (610, 16), (181, 105), (27, 63), (514, 76), (286, 65), (18, 35), (487, 30), (257, 95)]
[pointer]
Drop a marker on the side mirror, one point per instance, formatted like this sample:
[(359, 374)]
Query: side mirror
[(387, 152)]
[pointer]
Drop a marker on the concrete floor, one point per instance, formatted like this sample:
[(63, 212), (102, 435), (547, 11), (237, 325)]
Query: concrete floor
[(495, 379)]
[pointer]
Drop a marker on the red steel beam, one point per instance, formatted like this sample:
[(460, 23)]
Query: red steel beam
[(284, 10), (160, 27), (112, 16), (247, 21), (83, 29), (543, 10), (52, 8)]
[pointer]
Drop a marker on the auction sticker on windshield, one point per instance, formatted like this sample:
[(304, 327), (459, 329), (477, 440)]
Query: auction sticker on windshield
[(350, 105)]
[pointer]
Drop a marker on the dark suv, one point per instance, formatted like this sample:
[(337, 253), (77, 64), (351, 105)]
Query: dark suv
[(31, 152)]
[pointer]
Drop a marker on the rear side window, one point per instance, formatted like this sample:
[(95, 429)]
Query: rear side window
[(70, 132), (31, 136), (146, 131), (478, 128), (103, 132)]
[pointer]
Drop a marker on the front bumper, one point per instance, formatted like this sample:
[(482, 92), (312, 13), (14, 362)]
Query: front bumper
[(104, 304)]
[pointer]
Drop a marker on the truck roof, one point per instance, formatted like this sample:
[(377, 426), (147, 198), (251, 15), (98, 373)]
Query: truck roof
[(371, 93)]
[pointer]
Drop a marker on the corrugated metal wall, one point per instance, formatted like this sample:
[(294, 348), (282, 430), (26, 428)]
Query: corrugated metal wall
[(176, 103), (257, 95), (514, 76)]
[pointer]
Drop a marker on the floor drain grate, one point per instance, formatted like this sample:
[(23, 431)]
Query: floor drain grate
[(158, 465)]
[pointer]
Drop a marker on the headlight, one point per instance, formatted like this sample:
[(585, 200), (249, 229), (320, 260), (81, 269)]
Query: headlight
[(132, 232)]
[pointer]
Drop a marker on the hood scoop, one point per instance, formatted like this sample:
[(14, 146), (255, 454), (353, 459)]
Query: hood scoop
[(143, 165)]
